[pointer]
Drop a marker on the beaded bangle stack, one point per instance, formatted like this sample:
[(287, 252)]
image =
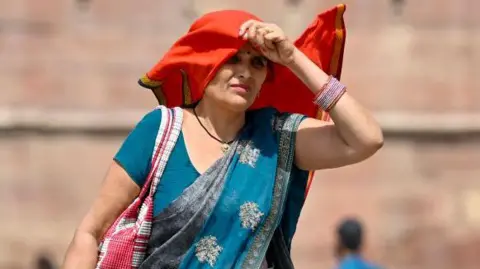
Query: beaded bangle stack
[(330, 93)]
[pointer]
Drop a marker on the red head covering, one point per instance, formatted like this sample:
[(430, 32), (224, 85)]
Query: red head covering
[(181, 76)]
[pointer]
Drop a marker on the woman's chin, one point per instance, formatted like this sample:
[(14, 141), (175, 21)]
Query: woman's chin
[(239, 103)]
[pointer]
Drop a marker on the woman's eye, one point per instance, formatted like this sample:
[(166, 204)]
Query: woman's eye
[(234, 59), (259, 62)]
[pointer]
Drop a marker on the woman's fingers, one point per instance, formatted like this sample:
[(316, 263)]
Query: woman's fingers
[(249, 29), (252, 32), (268, 41), (260, 37), (264, 36), (245, 26), (275, 35)]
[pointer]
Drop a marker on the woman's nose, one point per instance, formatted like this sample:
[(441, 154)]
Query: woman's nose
[(243, 71)]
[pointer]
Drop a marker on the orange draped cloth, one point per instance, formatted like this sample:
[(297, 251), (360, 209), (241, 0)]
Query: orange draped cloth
[(180, 77)]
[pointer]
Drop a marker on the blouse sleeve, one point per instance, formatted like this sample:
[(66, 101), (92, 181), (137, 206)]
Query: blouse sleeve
[(135, 154)]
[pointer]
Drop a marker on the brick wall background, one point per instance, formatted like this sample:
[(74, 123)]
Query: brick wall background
[(419, 196)]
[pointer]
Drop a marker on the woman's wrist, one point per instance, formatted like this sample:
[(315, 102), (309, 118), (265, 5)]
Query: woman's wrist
[(306, 70), (329, 94), (295, 60), (327, 89)]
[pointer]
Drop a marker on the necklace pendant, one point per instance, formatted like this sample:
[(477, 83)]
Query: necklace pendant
[(225, 147)]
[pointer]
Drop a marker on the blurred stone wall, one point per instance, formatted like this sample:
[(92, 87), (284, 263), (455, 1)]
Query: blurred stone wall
[(419, 197)]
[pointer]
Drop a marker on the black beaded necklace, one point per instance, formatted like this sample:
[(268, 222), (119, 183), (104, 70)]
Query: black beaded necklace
[(225, 145)]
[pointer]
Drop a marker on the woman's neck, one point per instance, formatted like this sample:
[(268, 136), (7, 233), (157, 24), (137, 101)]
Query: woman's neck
[(219, 121)]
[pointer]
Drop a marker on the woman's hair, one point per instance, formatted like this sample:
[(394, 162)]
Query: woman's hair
[(192, 105), (350, 234)]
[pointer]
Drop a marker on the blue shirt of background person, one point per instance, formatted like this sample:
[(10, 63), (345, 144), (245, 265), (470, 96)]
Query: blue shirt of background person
[(349, 246)]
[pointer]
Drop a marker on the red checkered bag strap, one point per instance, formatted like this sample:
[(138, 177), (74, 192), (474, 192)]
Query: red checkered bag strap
[(171, 118), (125, 242), (168, 141)]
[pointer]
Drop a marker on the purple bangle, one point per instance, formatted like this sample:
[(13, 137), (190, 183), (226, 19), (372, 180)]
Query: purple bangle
[(331, 92)]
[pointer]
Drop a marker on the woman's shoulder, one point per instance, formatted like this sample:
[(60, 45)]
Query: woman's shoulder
[(149, 122), (154, 115), (135, 153)]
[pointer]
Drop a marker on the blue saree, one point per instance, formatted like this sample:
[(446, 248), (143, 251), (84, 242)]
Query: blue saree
[(246, 203)]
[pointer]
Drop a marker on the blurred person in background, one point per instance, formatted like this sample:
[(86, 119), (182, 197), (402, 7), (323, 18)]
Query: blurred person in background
[(240, 103), (44, 261), (349, 243)]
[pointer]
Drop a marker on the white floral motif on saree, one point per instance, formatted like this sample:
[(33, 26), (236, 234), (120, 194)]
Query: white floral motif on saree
[(207, 250), (249, 154), (250, 215)]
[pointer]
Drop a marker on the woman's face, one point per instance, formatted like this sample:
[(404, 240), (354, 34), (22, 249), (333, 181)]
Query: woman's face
[(238, 82)]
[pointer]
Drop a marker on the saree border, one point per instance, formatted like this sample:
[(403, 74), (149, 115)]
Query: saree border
[(256, 254), (146, 82), (335, 68), (156, 87)]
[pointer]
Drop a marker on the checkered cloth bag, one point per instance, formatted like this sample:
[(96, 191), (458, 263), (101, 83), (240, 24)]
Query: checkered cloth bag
[(125, 243)]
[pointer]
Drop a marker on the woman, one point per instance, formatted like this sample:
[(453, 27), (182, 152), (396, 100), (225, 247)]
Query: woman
[(231, 192)]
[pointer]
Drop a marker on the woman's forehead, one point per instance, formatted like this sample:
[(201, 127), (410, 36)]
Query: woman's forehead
[(249, 49)]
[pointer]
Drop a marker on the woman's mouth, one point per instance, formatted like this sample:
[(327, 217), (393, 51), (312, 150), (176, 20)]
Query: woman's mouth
[(241, 88)]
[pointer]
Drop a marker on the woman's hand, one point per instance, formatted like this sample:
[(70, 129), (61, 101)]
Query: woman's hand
[(117, 192), (355, 135), (270, 40)]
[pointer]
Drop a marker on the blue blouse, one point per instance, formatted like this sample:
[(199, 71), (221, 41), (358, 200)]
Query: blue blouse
[(135, 156)]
